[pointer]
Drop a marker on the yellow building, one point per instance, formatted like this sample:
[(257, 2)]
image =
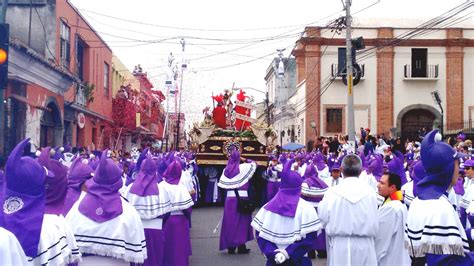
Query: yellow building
[(121, 76)]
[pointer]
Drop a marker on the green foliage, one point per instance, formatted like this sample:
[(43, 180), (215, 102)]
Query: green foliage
[(233, 133), (89, 91)]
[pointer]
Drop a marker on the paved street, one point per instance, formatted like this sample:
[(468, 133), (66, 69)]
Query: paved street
[(206, 244)]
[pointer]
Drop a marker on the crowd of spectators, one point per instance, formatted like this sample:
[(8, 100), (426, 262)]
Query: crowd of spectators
[(367, 142)]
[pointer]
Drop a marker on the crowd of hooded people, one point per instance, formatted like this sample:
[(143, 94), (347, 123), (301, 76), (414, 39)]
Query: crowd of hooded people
[(61, 209), (379, 206), (375, 207)]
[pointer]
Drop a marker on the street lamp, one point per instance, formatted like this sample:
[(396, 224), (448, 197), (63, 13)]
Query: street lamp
[(437, 99)]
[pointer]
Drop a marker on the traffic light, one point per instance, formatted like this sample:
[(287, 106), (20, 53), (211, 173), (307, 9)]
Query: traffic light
[(4, 41)]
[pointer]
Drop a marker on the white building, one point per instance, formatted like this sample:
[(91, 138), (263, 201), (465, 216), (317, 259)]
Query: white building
[(399, 74)]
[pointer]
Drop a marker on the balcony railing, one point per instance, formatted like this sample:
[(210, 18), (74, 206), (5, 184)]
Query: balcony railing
[(337, 72), (431, 72), (80, 95), (452, 128)]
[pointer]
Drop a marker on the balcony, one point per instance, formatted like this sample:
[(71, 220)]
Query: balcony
[(420, 73), (336, 72)]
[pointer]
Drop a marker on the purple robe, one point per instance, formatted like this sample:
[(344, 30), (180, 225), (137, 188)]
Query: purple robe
[(236, 229), (296, 251), (176, 233), (155, 240), (273, 185)]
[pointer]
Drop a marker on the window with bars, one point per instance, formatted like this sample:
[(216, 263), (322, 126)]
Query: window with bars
[(106, 80), (334, 120), (65, 44)]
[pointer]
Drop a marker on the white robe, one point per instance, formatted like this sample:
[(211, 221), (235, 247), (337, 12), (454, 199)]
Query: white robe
[(348, 212), (324, 173), (331, 182), (187, 180), (11, 252), (433, 227), (121, 239), (390, 240), (408, 195), (369, 179), (57, 244)]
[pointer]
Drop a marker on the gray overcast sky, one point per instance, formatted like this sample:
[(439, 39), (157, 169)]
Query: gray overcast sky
[(227, 41)]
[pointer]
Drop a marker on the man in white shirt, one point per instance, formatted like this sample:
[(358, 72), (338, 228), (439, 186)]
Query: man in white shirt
[(350, 241), (390, 241)]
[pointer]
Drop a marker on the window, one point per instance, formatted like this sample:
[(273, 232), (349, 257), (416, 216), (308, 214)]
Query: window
[(341, 59), (334, 120), (65, 44), (80, 51), (106, 80), (419, 60)]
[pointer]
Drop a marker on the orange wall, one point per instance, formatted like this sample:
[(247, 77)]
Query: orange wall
[(94, 57)]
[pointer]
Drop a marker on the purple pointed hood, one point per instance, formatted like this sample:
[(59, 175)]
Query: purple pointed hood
[(331, 160), (161, 167), (58, 154), (146, 183), (232, 169), (94, 162), (56, 187), (173, 173), (286, 200), (438, 160), (67, 147), (282, 159), (459, 186), (318, 160), (395, 166), (102, 201), (79, 173), (23, 199), (311, 177), (410, 157), (131, 175), (375, 166), (417, 173)]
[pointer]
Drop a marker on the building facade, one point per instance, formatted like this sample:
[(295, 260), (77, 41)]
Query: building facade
[(88, 103), (394, 95), (35, 94), (63, 79), (150, 107), (173, 131)]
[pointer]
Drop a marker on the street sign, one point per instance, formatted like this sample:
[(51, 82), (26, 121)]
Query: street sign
[(81, 120)]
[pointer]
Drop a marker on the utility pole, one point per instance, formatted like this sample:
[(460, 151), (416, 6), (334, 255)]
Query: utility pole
[(183, 66), (349, 64), (168, 85), (3, 19)]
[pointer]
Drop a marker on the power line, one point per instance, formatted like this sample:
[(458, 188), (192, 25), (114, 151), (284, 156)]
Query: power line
[(203, 29), (44, 30)]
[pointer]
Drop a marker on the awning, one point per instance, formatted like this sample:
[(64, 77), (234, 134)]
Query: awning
[(89, 112), (291, 146)]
